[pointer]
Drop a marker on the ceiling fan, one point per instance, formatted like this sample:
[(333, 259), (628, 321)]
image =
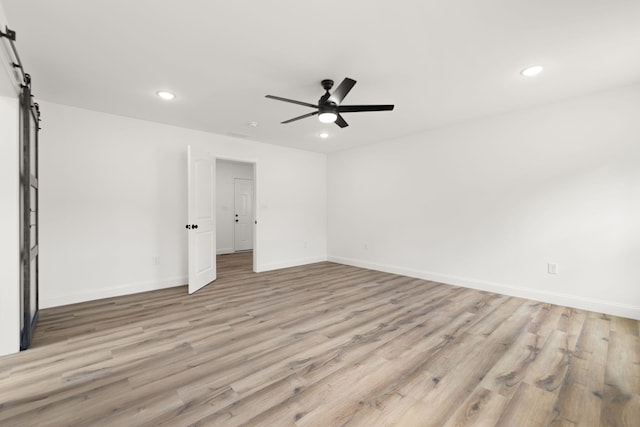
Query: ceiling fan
[(329, 105)]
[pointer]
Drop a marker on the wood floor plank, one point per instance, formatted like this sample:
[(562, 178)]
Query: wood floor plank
[(508, 372), (576, 406), (253, 405), (621, 397), (454, 388), (323, 345), (530, 406), (571, 322), (483, 407), (548, 370)]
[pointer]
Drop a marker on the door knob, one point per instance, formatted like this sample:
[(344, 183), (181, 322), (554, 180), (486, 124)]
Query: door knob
[(190, 226), (187, 226), (236, 219), (194, 226)]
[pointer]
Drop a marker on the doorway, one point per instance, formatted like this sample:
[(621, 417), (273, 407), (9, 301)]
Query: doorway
[(235, 210), (211, 214)]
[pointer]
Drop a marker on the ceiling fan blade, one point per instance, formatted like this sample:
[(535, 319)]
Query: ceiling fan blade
[(341, 122), (341, 91), (278, 98), (356, 108), (304, 116)]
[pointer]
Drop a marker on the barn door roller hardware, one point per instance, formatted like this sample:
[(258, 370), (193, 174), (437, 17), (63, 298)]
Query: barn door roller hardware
[(11, 36)]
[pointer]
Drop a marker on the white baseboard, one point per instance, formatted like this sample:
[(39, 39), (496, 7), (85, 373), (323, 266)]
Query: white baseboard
[(584, 303), (112, 291), (290, 263), (222, 251)]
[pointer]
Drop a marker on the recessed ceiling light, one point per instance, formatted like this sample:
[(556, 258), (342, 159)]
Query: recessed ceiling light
[(253, 124), (324, 135), (532, 71), (165, 95)]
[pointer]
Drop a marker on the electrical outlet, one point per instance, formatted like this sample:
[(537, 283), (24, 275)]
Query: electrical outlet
[(306, 244), (155, 260), (552, 268), (365, 247)]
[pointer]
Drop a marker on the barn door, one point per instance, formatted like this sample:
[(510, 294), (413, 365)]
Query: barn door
[(29, 212)]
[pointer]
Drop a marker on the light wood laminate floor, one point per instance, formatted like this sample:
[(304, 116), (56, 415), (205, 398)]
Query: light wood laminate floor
[(323, 345)]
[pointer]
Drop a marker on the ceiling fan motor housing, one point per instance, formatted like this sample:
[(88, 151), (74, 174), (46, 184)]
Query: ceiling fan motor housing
[(327, 107)]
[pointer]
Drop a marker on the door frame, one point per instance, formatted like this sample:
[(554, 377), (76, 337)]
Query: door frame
[(255, 164)]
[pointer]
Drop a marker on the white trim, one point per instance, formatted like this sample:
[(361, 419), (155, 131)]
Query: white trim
[(112, 291), (590, 304), (290, 263), (224, 251)]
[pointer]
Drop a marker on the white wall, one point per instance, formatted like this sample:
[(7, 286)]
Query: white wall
[(226, 172), (9, 227), (488, 204), (113, 197), (9, 202)]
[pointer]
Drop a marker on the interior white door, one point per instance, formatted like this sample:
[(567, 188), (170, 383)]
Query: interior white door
[(201, 217), (243, 210)]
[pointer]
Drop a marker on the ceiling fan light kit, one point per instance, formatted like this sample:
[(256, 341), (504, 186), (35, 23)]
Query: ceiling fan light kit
[(329, 106), (327, 117)]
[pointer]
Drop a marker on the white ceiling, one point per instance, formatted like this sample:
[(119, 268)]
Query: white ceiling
[(439, 62)]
